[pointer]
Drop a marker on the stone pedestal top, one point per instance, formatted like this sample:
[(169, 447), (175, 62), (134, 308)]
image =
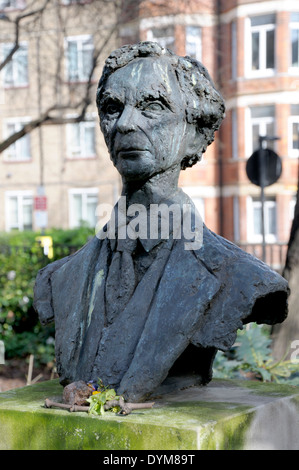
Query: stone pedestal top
[(226, 414)]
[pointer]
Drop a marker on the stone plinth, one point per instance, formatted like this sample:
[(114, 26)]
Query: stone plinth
[(223, 415)]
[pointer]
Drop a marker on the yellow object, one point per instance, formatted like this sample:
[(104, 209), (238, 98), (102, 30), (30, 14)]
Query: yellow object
[(46, 243)]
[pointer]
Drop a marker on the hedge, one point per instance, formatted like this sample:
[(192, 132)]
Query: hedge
[(21, 257)]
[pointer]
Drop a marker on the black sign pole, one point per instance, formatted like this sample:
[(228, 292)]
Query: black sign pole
[(264, 168), (262, 185)]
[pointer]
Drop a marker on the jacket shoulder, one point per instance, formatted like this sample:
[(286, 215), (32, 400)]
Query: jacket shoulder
[(250, 292), (43, 288)]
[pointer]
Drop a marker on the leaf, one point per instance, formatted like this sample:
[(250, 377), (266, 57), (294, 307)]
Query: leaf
[(254, 346), (98, 400), (265, 374), (110, 394)]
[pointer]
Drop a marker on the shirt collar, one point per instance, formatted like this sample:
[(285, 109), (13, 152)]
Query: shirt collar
[(148, 243)]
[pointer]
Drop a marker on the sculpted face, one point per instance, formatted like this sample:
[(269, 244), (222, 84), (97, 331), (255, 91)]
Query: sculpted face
[(142, 113)]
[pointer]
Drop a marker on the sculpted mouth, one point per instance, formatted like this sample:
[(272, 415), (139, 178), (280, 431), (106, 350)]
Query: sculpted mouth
[(130, 151)]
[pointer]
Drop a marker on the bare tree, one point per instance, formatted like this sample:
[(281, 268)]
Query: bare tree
[(47, 23)]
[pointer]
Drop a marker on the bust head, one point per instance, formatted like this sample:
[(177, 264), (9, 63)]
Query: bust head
[(152, 101)]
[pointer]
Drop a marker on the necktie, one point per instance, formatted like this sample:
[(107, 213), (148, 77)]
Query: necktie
[(121, 280)]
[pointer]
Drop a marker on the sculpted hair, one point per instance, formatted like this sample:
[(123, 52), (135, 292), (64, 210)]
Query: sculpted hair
[(204, 104)]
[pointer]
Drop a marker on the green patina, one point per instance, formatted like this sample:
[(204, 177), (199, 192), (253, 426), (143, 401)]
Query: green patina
[(169, 425), (268, 388), (97, 283)]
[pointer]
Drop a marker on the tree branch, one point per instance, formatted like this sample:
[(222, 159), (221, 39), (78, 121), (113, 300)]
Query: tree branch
[(46, 118), (43, 119), (81, 106), (17, 22), (126, 408)]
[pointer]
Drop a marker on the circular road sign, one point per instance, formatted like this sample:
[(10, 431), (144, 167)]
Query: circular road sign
[(264, 162)]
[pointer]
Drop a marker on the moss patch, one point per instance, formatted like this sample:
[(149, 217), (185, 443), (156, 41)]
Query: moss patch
[(170, 425), (269, 388)]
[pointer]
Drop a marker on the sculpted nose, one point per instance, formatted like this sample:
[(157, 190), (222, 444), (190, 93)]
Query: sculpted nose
[(127, 120)]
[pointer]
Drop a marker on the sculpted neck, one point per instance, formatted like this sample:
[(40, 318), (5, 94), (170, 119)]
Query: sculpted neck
[(161, 186)]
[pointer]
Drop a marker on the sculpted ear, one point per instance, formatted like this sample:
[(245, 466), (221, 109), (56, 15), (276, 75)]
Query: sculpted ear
[(195, 146)]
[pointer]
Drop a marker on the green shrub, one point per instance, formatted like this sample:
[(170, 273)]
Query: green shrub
[(21, 257), (251, 357)]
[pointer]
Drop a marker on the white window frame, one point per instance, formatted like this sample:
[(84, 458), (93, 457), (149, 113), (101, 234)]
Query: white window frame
[(292, 151), (84, 193), (263, 71), (196, 40), (292, 68), (236, 218), (251, 205), (234, 51), (17, 80), (82, 74), (262, 122), (80, 151), (234, 134), (163, 41), (20, 195), (18, 123), (292, 206)]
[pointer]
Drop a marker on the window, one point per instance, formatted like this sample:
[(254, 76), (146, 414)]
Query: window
[(294, 29), (19, 210), (81, 139), (79, 55), (262, 123), (20, 150), (163, 36), (193, 42), (15, 73), (262, 42), (255, 220), (294, 131), (83, 204)]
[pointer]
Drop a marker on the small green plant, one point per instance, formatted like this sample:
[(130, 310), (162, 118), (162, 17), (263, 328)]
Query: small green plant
[(251, 356), (100, 397)]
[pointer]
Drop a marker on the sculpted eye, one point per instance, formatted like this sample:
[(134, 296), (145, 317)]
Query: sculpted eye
[(113, 108), (153, 106)]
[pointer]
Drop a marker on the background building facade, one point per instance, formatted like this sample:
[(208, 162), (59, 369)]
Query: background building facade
[(53, 75), (251, 50)]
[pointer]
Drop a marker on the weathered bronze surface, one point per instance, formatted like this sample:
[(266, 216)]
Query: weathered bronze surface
[(133, 310)]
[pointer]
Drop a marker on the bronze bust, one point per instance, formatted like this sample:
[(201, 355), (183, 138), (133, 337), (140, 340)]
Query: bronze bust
[(133, 309)]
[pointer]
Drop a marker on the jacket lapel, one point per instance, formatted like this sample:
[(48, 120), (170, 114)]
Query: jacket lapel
[(94, 321), (76, 319), (185, 291), (119, 339)]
